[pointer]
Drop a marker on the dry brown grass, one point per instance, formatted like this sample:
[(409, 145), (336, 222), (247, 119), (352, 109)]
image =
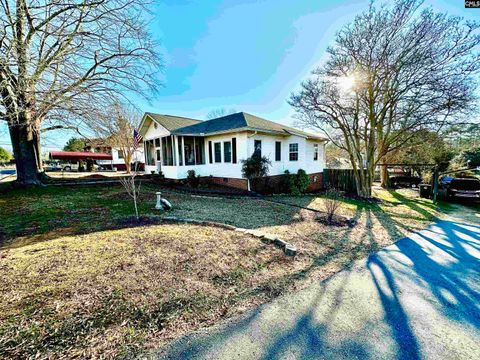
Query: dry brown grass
[(119, 292), (115, 291)]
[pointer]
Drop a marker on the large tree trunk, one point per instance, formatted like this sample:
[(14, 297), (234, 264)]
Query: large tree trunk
[(384, 179), (26, 146)]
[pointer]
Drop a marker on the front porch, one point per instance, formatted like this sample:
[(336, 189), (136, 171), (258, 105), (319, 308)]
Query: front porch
[(175, 155)]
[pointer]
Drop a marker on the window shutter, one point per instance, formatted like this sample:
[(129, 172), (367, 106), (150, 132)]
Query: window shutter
[(234, 150), (210, 156)]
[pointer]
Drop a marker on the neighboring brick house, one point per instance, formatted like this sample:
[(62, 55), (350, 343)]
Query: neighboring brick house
[(215, 148)]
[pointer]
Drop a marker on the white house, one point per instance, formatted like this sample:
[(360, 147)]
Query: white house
[(216, 148)]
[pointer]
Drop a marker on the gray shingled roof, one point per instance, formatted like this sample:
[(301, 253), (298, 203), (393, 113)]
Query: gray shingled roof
[(240, 121), (171, 122)]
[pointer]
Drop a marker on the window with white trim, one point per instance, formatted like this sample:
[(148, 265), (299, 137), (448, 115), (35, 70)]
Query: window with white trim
[(293, 151), (227, 151), (315, 152)]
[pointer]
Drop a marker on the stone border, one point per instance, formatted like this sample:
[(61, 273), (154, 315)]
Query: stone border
[(288, 249)]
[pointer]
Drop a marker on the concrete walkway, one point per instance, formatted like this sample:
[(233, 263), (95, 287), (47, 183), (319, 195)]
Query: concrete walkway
[(416, 299)]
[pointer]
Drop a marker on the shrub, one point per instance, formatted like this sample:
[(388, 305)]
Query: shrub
[(290, 184), (192, 179), (296, 184), (302, 181), (255, 166), (331, 203)]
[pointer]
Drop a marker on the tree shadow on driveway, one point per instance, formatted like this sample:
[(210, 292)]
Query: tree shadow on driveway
[(416, 299)]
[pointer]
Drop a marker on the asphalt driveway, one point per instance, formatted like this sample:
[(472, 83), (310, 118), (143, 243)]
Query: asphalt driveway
[(416, 299)]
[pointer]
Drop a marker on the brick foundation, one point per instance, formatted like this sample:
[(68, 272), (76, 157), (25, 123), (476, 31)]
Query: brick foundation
[(241, 184), (277, 184)]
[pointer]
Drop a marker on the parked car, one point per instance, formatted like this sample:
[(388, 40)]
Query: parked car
[(70, 167), (405, 181), (52, 166), (464, 188), (445, 181)]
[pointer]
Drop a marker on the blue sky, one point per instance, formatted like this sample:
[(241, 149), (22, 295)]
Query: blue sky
[(243, 54)]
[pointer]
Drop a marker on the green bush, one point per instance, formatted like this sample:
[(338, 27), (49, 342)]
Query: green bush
[(289, 184), (192, 179), (302, 181), (255, 166), (296, 184)]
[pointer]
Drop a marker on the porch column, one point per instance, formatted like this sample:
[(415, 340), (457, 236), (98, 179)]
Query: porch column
[(194, 152)]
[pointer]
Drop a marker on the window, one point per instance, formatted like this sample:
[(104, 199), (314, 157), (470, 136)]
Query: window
[(293, 152), (120, 154), (227, 151), (315, 152), (234, 150), (157, 142), (188, 150), (218, 152), (149, 152), (155, 125), (257, 148), (167, 151), (158, 154), (278, 150), (179, 146)]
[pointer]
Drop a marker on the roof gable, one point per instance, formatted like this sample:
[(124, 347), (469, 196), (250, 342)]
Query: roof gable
[(169, 122)]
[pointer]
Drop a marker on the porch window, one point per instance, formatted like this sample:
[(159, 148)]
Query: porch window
[(227, 151), (293, 154), (218, 152), (199, 151), (120, 154), (167, 151), (149, 152)]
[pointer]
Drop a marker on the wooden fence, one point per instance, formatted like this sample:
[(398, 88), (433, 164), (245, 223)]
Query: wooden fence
[(340, 179)]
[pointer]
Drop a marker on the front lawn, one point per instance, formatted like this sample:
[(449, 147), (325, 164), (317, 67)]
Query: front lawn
[(78, 282)]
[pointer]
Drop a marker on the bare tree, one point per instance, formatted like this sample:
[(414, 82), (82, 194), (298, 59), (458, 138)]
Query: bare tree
[(332, 203), (64, 62), (216, 113), (132, 189), (392, 72), (117, 129)]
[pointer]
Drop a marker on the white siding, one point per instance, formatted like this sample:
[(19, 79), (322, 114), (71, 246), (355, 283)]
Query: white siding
[(245, 147), (305, 153)]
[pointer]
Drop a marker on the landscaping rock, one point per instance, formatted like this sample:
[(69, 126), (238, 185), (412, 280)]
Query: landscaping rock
[(290, 250), (270, 237), (220, 225), (255, 233), (280, 243)]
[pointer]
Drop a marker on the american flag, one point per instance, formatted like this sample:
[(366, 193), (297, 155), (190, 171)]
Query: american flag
[(136, 139)]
